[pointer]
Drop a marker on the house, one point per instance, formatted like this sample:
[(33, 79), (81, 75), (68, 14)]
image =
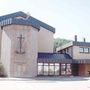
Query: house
[(80, 54)]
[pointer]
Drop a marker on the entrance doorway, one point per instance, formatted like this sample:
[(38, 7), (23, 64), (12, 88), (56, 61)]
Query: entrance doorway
[(75, 69)]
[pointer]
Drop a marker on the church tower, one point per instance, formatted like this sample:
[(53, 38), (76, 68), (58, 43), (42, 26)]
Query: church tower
[(19, 50), (19, 46)]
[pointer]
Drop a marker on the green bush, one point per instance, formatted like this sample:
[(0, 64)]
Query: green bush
[(2, 73)]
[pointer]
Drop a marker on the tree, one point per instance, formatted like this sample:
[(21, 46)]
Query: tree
[(59, 42)]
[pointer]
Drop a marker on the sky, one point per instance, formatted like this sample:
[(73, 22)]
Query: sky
[(69, 17)]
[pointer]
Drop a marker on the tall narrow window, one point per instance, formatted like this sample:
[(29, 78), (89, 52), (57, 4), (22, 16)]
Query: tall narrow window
[(81, 49), (45, 68), (63, 69), (56, 68), (51, 69), (40, 68), (68, 69)]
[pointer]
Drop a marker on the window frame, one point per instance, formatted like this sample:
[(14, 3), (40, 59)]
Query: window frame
[(82, 49)]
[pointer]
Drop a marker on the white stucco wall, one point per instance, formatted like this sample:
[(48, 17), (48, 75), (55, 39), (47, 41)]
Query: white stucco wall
[(45, 40), (78, 55)]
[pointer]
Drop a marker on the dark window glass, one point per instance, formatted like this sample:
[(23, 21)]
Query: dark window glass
[(63, 69)]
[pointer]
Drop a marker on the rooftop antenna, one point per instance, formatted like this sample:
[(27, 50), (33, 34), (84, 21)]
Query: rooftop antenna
[(84, 39), (75, 37)]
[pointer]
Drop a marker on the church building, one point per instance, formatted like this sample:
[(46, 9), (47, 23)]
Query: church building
[(26, 49)]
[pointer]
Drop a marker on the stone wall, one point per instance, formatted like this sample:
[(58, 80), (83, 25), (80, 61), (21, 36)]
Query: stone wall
[(20, 65)]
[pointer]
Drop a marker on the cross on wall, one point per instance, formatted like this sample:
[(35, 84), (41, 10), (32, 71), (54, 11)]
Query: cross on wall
[(20, 45)]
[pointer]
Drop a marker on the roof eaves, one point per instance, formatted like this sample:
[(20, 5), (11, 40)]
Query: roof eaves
[(25, 22), (42, 24)]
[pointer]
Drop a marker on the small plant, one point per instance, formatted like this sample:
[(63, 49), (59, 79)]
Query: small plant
[(2, 74)]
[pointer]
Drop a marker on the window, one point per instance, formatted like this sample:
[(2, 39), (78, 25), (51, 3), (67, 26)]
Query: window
[(81, 50), (68, 69), (40, 68), (56, 68), (45, 68), (86, 50), (63, 69), (51, 69)]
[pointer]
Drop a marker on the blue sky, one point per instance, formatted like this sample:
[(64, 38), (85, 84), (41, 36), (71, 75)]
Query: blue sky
[(69, 17)]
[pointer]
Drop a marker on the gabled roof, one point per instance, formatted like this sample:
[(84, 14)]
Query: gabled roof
[(54, 57), (11, 19)]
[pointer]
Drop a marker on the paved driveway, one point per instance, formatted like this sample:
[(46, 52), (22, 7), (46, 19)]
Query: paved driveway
[(45, 83)]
